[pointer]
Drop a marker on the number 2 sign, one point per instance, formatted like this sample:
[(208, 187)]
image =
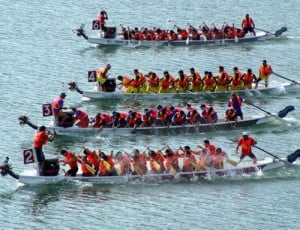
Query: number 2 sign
[(28, 156)]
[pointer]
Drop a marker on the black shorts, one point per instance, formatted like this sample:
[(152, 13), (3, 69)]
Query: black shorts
[(251, 155), (72, 171), (248, 29), (39, 155)]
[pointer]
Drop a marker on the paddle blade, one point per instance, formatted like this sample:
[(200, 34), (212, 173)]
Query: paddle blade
[(232, 162), (285, 111), (292, 157), (280, 31)]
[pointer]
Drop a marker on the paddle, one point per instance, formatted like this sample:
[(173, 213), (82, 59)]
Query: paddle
[(281, 113), (277, 32), (271, 154), (278, 75)]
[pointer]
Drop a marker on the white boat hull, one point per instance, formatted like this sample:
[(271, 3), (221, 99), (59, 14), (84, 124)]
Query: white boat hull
[(261, 36), (119, 95), (244, 168), (162, 130)]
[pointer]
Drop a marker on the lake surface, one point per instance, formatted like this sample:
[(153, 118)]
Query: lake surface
[(40, 54)]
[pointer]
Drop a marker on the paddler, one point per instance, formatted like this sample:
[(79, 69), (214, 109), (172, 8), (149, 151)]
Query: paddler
[(81, 118), (57, 107), (71, 161), (102, 75), (39, 140), (249, 78), (102, 16), (171, 161), (265, 70), (156, 162), (236, 102), (248, 25), (246, 142)]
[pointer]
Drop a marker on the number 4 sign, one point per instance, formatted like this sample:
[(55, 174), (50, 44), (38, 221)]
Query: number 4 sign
[(28, 156), (92, 76)]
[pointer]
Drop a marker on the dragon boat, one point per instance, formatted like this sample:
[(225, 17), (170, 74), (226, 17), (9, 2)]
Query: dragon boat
[(53, 173), (112, 38), (116, 94), (69, 129)]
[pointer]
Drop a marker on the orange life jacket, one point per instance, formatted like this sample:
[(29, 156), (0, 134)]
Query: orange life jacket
[(71, 160), (209, 81), (246, 145), (265, 70), (40, 139), (247, 22), (248, 78)]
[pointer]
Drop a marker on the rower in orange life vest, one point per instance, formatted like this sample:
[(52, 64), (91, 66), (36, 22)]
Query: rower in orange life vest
[(71, 161), (149, 117), (134, 119), (246, 142), (218, 160), (118, 120), (230, 114), (153, 82), (156, 162), (102, 75), (171, 161), (141, 81), (122, 164), (189, 160), (166, 83), (209, 81), (236, 102), (222, 82), (183, 34), (194, 117), (181, 83), (139, 163), (102, 16), (236, 80), (126, 82), (173, 36), (179, 118), (195, 80), (165, 115), (136, 85), (39, 140), (211, 148), (84, 167), (106, 165), (92, 158), (210, 152), (210, 115), (102, 120), (265, 70), (57, 107), (81, 118), (248, 25), (249, 78)]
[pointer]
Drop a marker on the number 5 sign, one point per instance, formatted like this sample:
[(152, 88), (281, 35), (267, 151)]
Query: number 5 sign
[(28, 156), (47, 110)]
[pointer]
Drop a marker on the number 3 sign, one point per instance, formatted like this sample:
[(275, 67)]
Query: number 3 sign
[(47, 110)]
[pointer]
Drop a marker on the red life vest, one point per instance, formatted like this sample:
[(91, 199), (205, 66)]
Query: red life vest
[(40, 139)]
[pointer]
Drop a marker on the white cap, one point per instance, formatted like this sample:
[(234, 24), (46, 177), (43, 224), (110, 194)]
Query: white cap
[(245, 133)]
